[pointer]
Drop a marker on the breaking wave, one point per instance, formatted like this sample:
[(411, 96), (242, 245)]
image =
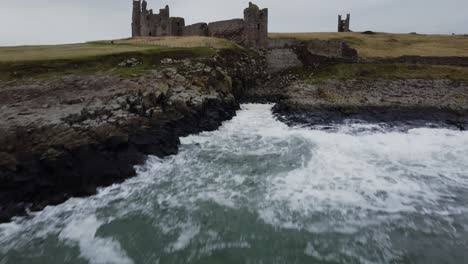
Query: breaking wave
[(258, 191)]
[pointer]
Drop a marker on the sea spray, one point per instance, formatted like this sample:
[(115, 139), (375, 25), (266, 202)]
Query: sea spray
[(258, 191)]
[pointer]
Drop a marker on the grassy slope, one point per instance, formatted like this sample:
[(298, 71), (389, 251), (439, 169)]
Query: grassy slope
[(72, 51), (102, 48), (385, 45), (57, 60), (389, 71), (181, 42), (52, 61)]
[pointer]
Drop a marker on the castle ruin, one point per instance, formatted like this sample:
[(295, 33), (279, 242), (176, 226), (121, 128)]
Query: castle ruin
[(251, 31), (343, 24)]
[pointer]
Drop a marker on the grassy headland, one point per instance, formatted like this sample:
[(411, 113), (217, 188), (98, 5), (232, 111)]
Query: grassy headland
[(105, 56), (386, 45), (181, 42), (102, 48), (57, 60)]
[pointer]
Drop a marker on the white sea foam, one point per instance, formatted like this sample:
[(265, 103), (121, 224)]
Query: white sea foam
[(187, 233), (392, 172), (75, 220), (95, 249), (352, 173), (317, 181), (310, 251)]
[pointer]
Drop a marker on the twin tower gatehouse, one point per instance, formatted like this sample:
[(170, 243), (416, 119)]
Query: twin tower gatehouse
[(251, 31)]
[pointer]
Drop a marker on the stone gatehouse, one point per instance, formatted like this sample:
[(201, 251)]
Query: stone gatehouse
[(251, 31)]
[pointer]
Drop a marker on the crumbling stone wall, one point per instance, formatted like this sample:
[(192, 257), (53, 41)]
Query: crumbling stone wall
[(279, 43), (288, 53), (229, 29), (154, 24), (199, 29), (176, 26), (331, 49), (279, 59), (146, 23), (252, 31), (343, 24)]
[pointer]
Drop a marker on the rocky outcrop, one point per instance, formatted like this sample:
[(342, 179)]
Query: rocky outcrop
[(397, 102), (282, 59), (229, 29), (434, 60), (287, 53), (63, 138)]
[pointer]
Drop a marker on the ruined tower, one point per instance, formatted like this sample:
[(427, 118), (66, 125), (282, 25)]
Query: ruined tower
[(176, 26), (343, 24), (146, 17), (252, 31), (160, 22), (347, 23), (136, 28), (255, 26)]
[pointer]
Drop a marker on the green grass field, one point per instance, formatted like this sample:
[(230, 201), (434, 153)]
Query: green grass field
[(103, 48), (60, 52), (181, 42), (99, 56), (386, 45), (388, 71)]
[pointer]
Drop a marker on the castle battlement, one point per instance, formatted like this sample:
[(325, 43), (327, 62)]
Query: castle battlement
[(251, 31)]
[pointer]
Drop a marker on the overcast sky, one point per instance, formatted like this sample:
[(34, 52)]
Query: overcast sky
[(29, 22)]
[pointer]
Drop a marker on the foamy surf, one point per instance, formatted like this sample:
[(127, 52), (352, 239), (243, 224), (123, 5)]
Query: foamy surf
[(258, 191)]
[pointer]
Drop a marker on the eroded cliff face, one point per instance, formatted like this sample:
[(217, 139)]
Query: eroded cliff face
[(63, 138), (397, 103), (288, 53)]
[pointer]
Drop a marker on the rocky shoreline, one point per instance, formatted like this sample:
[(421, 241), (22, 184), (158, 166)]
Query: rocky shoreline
[(433, 60), (64, 138), (399, 118), (397, 103)]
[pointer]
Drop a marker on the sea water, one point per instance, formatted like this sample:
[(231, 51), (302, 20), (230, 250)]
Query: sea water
[(258, 191)]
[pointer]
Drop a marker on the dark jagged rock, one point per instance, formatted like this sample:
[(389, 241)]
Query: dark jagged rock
[(434, 60), (96, 128), (397, 117), (288, 53), (397, 103)]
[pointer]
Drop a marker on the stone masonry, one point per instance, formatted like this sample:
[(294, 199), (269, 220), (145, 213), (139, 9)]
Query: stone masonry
[(251, 31), (287, 53), (343, 24), (145, 23)]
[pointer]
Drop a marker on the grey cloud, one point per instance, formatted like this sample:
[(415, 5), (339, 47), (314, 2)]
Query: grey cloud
[(69, 21)]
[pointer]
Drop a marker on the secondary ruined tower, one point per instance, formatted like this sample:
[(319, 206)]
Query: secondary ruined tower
[(136, 32), (343, 24), (255, 26)]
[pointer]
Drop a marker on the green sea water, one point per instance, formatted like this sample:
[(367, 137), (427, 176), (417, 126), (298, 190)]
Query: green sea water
[(258, 191)]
